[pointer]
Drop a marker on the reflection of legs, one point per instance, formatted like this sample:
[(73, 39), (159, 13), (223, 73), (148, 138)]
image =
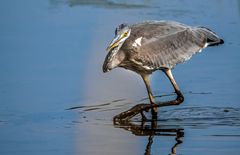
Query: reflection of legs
[(149, 145), (151, 131), (150, 138), (179, 135), (180, 97), (145, 78)]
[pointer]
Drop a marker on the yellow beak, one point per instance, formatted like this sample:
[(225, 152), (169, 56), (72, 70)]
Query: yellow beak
[(114, 43)]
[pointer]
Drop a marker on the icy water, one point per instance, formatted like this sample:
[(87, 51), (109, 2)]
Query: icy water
[(51, 54)]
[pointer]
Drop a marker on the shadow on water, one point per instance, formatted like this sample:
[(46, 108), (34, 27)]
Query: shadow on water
[(149, 128), (152, 129), (96, 106), (195, 117)]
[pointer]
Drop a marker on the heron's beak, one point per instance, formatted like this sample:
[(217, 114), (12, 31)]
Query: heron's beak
[(114, 43)]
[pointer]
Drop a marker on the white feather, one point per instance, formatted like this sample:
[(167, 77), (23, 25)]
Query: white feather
[(137, 42)]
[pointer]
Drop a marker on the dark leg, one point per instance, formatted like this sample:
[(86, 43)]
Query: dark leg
[(150, 95), (180, 97), (127, 115), (144, 118)]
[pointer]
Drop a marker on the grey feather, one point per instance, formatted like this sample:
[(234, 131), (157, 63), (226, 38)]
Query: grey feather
[(165, 43), (212, 38), (155, 45)]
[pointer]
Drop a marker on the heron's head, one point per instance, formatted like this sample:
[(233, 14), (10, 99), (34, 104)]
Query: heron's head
[(114, 58), (122, 32)]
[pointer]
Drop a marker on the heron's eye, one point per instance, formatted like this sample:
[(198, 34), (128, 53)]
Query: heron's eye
[(125, 34)]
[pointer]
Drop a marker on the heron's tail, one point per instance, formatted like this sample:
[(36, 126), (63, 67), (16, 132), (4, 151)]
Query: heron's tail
[(212, 38)]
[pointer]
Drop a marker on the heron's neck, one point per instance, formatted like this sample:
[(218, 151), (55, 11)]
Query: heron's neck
[(118, 58)]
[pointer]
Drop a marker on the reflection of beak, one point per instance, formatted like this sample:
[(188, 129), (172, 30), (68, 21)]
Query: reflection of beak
[(114, 43)]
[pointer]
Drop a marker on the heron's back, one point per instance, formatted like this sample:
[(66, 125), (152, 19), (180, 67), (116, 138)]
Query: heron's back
[(163, 44)]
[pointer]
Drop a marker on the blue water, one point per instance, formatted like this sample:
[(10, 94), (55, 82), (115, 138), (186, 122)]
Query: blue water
[(51, 55)]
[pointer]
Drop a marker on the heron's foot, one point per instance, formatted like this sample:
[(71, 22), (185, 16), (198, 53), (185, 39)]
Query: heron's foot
[(180, 97), (146, 110), (127, 115)]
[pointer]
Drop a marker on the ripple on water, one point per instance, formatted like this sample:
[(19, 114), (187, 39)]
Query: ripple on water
[(201, 116), (181, 116)]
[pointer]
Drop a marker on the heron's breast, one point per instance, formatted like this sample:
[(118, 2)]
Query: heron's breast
[(137, 67)]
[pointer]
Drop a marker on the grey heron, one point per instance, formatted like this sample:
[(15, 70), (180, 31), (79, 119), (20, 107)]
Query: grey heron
[(157, 45)]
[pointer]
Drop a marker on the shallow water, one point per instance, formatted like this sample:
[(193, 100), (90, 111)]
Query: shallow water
[(51, 54)]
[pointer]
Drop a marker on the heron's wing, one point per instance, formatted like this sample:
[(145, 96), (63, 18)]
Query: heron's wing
[(165, 51)]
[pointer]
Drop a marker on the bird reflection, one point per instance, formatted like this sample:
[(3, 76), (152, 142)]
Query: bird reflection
[(151, 129)]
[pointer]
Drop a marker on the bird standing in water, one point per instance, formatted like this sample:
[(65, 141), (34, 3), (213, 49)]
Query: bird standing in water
[(157, 45)]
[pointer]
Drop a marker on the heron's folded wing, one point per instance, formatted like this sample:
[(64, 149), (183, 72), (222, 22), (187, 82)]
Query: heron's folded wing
[(167, 51)]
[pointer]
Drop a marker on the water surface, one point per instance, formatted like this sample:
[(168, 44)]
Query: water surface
[(51, 54)]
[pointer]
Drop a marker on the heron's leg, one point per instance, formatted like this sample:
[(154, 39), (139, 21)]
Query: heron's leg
[(144, 118), (150, 95), (180, 97)]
